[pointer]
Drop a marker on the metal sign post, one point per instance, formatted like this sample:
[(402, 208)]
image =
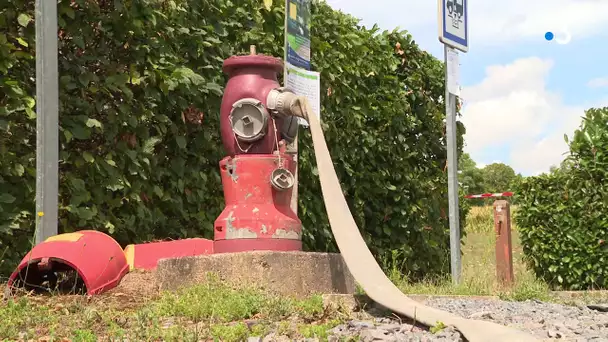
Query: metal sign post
[(454, 34), (297, 54), (47, 120)]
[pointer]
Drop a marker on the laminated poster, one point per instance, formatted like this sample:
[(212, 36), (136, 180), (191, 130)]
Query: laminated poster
[(297, 31), (305, 83)]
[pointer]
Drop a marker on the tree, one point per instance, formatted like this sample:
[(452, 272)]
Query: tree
[(470, 176), (498, 177), (565, 166), (516, 181)]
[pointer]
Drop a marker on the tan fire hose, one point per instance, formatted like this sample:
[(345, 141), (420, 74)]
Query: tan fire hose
[(362, 264)]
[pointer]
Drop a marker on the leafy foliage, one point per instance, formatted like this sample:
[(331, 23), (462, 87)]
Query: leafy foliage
[(498, 177), (470, 176), (139, 161), (495, 177), (562, 215)]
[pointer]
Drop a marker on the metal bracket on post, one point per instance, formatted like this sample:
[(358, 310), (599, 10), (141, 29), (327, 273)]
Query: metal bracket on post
[(47, 121), (504, 254)]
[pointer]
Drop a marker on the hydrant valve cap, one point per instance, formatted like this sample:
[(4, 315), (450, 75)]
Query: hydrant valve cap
[(282, 179), (249, 119)]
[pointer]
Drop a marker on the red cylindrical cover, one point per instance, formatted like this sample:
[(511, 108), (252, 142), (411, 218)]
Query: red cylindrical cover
[(97, 257)]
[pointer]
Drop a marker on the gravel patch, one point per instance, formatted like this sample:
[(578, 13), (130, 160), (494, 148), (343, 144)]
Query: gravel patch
[(388, 329), (546, 321)]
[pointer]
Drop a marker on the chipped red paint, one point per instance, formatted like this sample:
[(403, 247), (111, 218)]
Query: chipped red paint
[(256, 215)]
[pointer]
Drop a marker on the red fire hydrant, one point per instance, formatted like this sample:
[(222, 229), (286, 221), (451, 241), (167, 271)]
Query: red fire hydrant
[(257, 175)]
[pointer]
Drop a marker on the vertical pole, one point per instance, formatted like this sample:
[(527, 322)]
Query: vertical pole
[(454, 219), (47, 121), (294, 195), (292, 149), (504, 255)]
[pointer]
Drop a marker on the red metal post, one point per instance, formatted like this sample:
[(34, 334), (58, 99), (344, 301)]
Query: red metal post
[(504, 255)]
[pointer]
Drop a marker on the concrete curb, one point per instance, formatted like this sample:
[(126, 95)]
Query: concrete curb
[(286, 273)]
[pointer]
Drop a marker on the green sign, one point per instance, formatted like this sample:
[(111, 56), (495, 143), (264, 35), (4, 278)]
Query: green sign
[(297, 31)]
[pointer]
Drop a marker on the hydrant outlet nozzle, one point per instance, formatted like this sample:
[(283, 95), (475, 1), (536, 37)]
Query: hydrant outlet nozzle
[(284, 103)]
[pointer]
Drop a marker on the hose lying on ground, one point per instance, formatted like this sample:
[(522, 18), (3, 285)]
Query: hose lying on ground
[(363, 266)]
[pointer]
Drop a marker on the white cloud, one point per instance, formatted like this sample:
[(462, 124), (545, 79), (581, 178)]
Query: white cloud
[(492, 23), (511, 111), (512, 108), (524, 19), (598, 82)]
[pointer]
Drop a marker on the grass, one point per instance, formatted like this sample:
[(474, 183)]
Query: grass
[(216, 312), (479, 267), (478, 274), (481, 219), (213, 311)]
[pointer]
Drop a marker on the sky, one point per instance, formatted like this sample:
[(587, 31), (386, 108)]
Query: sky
[(521, 93)]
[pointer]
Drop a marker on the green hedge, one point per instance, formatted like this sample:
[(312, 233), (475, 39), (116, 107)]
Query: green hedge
[(137, 77), (562, 215)]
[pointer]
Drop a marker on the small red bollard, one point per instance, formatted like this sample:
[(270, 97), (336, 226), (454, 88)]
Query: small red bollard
[(504, 255)]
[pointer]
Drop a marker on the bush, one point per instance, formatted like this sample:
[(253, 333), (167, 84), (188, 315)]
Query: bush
[(562, 215), (138, 163)]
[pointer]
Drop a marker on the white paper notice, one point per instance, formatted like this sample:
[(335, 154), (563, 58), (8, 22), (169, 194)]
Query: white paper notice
[(453, 72), (305, 83)]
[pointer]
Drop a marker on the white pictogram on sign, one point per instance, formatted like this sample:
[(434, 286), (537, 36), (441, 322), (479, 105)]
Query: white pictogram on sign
[(455, 12), (453, 23)]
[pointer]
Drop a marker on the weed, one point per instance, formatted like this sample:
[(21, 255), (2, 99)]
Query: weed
[(259, 330), (311, 308), (83, 335), (212, 302), (21, 316), (230, 333), (319, 331), (438, 327), (284, 328)]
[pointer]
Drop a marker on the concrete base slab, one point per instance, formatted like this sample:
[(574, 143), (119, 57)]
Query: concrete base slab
[(286, 273)]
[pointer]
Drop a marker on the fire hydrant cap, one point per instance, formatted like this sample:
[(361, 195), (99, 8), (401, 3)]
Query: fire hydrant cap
[(249, 119), (259, 61)]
